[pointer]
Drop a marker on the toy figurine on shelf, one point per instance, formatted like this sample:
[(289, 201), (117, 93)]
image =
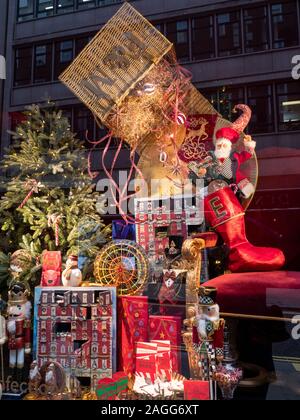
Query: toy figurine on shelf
[(72, 276), (209, 334), (18, 325), (3, 335), (3, 339), (51, 268)]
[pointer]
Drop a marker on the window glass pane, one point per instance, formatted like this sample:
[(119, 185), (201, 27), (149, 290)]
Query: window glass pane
[(284, 24), (108, 2), (288, 100), (203, 43), (256, 29), (84, 4), (84, 123), (25, 10), (228, 98), (159, 27), (229, 34), (23, 66), (43, 63), (177, 32), (45, 8), (211, 95), (224, 99), (64, 6), (80, 43), (67, 113), (63, 56), (260, 100)]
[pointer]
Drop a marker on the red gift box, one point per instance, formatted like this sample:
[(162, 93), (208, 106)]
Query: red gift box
[(132, 327), (163, 359), (168, 328), (196, 390), (146, 360), (51, 268)]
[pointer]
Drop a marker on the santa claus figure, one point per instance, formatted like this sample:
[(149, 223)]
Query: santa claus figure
[(208, 334), (18, 325), (224, 163), (72, 276), (225, 183)]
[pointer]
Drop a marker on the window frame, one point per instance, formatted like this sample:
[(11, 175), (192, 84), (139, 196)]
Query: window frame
[(48, 54), (30, 59), (239, 50), (247, 19), (278, 106), (210, 27)]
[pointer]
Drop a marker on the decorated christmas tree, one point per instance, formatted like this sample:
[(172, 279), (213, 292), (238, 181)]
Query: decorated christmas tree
[(49, 201)]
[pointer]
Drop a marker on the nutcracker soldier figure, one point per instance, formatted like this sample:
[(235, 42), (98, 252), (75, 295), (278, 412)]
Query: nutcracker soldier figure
[(208, 333), (18, 325), (3, 339)]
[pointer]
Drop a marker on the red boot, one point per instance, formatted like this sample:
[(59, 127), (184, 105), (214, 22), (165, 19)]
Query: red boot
[(225, 214)]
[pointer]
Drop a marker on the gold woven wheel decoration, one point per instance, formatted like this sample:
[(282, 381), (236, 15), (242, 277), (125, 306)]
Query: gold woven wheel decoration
[(123, 264)]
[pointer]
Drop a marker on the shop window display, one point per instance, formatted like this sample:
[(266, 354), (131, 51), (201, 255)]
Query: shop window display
[(135, 314)]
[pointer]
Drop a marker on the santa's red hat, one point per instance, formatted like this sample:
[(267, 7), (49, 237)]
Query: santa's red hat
[(228, 134)]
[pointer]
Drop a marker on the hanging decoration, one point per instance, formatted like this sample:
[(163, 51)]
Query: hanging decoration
[(33, 186), (54, 221)]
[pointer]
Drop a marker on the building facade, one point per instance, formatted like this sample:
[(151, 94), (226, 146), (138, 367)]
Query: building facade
[(239, 51), (3, 34)]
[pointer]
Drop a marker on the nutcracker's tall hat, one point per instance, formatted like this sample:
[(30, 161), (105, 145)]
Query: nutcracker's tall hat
[(18, 294), (233, 133), (207, 296)]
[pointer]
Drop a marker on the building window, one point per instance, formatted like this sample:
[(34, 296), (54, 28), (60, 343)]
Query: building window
[(108, 2), (43, 63), (84, 4), (25, 10), (288, 102), (81, 43), (178, 33), (23, 66), (63, 56), (160, 27), (224, 99), (64, 6), (203, 42), (211, 95), (229, 34), (228, 98), (45, 8), (256, 29), (83, 123), (260, 100), (284, 24)]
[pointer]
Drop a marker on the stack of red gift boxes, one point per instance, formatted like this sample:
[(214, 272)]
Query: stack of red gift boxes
[(135, 325)]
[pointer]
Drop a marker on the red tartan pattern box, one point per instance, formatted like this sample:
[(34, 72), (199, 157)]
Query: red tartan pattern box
[(132, 327), (168, 328)]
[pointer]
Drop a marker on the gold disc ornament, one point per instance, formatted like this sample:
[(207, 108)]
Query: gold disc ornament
[(122, 264)]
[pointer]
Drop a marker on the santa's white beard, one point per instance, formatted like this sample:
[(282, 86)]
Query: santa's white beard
[(222, 154)]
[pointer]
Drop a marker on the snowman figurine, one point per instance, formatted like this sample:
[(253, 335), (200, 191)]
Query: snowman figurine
[(72, 276)]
